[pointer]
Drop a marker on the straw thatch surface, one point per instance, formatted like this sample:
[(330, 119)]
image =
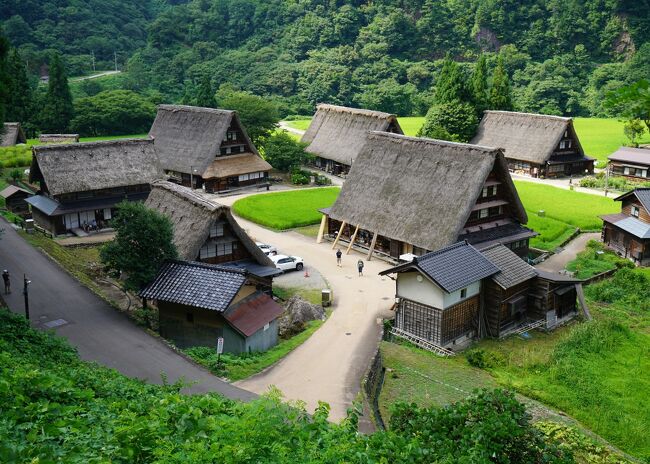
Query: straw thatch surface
[(12, 134), (524, 136), (81, 167), (419, 191), (338, 132), (188, 137), (234, 165), (58, 138), (192, 217)]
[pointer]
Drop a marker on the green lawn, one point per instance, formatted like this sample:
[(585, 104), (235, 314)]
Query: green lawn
[(286, 210), (596, 258)]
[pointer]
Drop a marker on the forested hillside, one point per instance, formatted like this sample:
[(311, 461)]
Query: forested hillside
[(561, 56)]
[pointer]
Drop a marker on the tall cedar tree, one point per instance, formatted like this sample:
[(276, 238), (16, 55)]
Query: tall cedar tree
[(479, 85), (205, 94), (5, 82), (19, 101), (57, 109), (450, 85), (500, 96), (143, 241)]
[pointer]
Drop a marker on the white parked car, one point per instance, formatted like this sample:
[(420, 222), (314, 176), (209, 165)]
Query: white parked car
[(267, 249), (288, 263)]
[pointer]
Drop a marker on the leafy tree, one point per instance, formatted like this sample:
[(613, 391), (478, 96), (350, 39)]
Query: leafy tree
[(205, 94), (633, 101), (633, 130), (113, 112), (450, 85), (20, 94), (143, 241), (258, 115), (57, 109), (455, 121), (500, 96), (479, 85), (284, 153), (388, 96)]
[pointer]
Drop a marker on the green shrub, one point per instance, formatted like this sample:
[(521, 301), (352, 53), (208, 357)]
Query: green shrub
[(482, 359), (320, 179), (300, 179), (628, 287)]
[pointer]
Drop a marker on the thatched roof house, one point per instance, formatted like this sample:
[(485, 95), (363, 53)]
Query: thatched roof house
[(534, 144), (206, 146), (12, 134), (205, 231), (420, 195), (58, 138), (337, 134), (82, 182)]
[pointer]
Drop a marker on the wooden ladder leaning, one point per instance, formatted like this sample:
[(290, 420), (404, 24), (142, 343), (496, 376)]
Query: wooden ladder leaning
[(421, 342), (526, 328)]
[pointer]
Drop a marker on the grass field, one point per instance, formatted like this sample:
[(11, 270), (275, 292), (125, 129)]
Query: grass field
[(596, 258), (286, 210), (599, 137)]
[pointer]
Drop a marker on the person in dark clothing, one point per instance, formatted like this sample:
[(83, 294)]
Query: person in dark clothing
[(338, 257), (5, 277), (360, 267)]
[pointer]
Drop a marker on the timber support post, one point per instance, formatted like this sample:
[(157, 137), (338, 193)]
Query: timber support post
[(372, 246), (321, 230), (338, 236), (354, 237)]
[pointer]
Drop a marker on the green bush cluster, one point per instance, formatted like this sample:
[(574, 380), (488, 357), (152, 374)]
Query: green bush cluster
[(300, 177), (483, 359), (629, 288), (621, 184), (17, 156), (594, 259), (55, 408)]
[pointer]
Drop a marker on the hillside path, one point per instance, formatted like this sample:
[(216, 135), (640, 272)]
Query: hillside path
[(330, 365), (98, 331), (284, 125), (558, 261)]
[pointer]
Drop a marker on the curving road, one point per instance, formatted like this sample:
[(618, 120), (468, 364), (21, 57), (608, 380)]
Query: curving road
[(99, 331)]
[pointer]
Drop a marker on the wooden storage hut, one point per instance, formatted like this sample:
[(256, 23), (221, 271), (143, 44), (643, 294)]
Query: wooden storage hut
[(12, 135), (198, 303), (206, 147), (15, 199), (207, 232), (336, 134), (536, 145), (81, 183), (410, 196), (58, 138), (553, 297), (628, 232), (633, 163)]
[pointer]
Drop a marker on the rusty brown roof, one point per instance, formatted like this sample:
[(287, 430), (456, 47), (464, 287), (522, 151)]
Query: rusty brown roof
[(253, 313)]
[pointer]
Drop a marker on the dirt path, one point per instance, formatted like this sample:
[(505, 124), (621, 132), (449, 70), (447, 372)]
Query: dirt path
[(330, 365), (564, 183), (288, 128), (558, 261)]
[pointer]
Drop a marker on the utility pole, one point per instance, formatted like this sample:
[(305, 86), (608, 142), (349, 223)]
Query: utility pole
[(606, 177), (93, 55), (26, 294)]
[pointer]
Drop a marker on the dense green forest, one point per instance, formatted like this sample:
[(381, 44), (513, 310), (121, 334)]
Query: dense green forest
[(561, 56)]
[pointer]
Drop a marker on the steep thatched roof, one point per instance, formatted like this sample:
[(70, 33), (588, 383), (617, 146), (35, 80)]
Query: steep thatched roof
[(524, 136), (338, 132), (419, 191), (80, 167), (234, 165), (58, 138), (12, 134), (189, 137), (192, 217)]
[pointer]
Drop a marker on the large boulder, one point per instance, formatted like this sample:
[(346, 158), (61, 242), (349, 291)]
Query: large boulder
[(296, 315)]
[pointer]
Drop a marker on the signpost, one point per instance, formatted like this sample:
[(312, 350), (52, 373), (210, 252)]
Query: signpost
[(219, 349)]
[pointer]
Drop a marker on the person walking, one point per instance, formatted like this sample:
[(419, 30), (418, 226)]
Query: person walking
[(360, 267), (5, 277), (338, 257)]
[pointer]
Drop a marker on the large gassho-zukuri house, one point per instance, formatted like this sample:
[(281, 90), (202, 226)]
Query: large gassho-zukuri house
[(409, 196), (536, 145), (207, 232), (628, 232), (456, 294), (337, 133), (207, 148), (12, 134), (81, 183)]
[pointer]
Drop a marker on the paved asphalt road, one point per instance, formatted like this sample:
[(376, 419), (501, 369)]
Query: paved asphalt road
[(99, 332)]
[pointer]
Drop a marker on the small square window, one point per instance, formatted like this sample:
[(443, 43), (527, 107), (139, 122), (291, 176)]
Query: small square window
[(463, 293), (635, 211)]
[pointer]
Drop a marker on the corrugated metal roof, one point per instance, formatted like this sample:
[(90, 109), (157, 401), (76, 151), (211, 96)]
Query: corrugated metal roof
[(253, 313), (631, 155), (635, 227), (642, 193), (514, 270), (195, 284), (11, 189), (44, 204)]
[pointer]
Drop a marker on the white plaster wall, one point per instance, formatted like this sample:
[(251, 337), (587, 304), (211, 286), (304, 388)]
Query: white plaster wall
[(451, 299), (425, 292)]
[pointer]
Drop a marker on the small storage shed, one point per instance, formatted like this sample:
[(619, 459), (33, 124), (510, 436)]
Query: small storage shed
[(12, 135), (15, 199)]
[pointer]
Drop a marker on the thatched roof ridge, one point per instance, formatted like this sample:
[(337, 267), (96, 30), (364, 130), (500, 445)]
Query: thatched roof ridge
[(338, 132), (192, 216), (81, 167), (417, 190), (13, 134), (58, 138), (188, 137), (524, 136)]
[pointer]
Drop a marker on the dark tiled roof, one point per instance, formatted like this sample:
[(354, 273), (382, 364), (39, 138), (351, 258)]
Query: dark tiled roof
[(631, 155), (252, 313), (500, 234), (52, 207), (514, 270), (452, 267), (200, 285)]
